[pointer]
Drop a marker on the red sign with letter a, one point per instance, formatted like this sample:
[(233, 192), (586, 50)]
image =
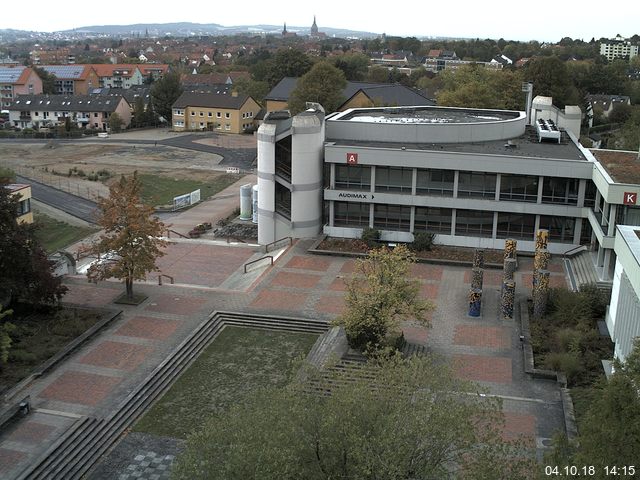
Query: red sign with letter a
[(352, 158), (630, 198)]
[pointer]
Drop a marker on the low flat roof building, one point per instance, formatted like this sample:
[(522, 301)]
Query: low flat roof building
[(473, 177), (23, 193)]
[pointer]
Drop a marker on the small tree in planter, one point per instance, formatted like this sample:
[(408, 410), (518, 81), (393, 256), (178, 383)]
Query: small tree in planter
[(422, 241), (371, 237)]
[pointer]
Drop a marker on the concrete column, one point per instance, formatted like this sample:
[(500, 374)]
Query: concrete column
[(332, 176), (453, 217), (606, 263), (600, 258), (373, 179), (494, 229), (536, 225), (477, 276), (331, 212), (475, 302), (542, 239), (371, 215), (498, 182), (414, 182), (582, 190), (478, 258), (412, 221), (540, 187), (508, 298), (541, 294), (613, 209), (578, 230), (456, 177)]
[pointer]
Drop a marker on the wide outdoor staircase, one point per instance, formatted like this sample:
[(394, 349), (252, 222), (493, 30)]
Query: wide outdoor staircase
[(73, 455), (582, 271)]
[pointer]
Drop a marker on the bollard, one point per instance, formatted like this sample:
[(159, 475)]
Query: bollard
[(475, 302), (507, 300)]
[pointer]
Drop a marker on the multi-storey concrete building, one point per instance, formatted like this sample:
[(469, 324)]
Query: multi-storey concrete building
[(472, 177), (618, 48)]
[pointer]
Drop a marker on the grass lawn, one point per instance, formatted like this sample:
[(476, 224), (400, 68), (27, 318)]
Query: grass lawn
[(160, 190), (236, 363), (38, 336), (54, 234)]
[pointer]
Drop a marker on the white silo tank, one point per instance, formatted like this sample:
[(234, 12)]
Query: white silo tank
[(245, 202), (254, 202)]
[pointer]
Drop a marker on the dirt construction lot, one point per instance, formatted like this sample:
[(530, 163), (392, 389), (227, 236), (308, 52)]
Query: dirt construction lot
[(51, 162)]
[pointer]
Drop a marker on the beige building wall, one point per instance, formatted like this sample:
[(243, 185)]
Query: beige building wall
[(226, 120), (273, 105)]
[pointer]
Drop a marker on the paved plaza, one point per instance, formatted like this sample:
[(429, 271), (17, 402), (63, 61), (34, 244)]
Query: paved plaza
[(209, 277)]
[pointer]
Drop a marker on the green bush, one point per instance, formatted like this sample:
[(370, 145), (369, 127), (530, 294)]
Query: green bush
[(569, 363), (422, 241), (22, 356), (371, 237)]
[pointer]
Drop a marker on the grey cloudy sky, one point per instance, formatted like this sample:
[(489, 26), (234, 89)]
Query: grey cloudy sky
[(512, 20)]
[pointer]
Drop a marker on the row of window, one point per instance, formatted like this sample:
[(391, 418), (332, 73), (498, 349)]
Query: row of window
[(468, 223), (178, 112), (519, 188)]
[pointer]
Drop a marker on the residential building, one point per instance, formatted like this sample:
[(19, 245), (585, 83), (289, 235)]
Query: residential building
[(16, 81), (623, 314), (224, 112), (618, 47), (356, 94), (473, 177), (118, 75), (153, 71), (440, 64), (73, 79), (84, 111), (604, 104), (23, 193)]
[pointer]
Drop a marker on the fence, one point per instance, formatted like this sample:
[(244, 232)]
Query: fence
[(74, 185)]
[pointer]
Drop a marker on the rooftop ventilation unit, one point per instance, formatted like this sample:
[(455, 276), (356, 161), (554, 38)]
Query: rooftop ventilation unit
[(547, 129)]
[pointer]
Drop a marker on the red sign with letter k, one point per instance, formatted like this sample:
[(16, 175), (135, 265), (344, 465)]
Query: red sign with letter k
[(630, 198)]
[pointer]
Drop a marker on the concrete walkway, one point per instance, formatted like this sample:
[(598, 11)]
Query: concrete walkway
[(94, 380)]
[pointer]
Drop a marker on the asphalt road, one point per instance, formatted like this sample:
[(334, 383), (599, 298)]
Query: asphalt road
[(71, 204)]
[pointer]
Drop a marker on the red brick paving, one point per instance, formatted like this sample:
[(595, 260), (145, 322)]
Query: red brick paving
[(279, 300), (481, 368), (333, 304), (426, 271), (30, 432), (297, 280), (118, 355), (481, 336), (94, 295), (175, 304), (490, 277), (415, 334), (9, 459), (348, 267), (309, 263), (338, 285), (430, 291), (148, 327), (555, 281), (80, 387), (518, 425)]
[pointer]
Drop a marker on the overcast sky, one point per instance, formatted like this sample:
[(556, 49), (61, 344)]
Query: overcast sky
[(513, 20)]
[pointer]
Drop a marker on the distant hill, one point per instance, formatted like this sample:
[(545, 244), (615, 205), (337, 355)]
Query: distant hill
[(188, 29)]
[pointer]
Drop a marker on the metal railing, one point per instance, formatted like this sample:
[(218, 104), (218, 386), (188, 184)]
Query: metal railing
[(169, 232), (164, 275), (266, 247), (573, 250), (270, 257)]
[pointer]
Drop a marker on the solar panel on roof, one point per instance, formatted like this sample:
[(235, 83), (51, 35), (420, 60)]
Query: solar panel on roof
[(10, 75)]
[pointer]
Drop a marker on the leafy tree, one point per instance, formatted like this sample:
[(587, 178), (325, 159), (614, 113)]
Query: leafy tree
[(164, 93), (139, 113), (115, 122), (355, 66), (26, 273), (256, 90), (379, 297), (6, 328), (323, 84), (610, 432), (620, 113), (131, 235), (399, 419), (550, 78), (48, 80), (287, 62)]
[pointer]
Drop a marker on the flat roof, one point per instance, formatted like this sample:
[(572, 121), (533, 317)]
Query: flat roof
[(526, 145), (14, 187), (426, 115), (622, 166)]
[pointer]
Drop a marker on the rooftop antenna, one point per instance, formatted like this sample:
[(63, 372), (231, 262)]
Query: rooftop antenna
[(527, 87)]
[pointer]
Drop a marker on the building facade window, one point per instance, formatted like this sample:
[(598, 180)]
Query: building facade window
[(519, 188), (392, 217), (227, 115), (356, 177), (24, 207), (394, 179), (560, 190), (516, 225), (590, 194), (433, 220), (351, 214), (435, 182), (561, 229), (477, 185), (474, 223), (283, 201)]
